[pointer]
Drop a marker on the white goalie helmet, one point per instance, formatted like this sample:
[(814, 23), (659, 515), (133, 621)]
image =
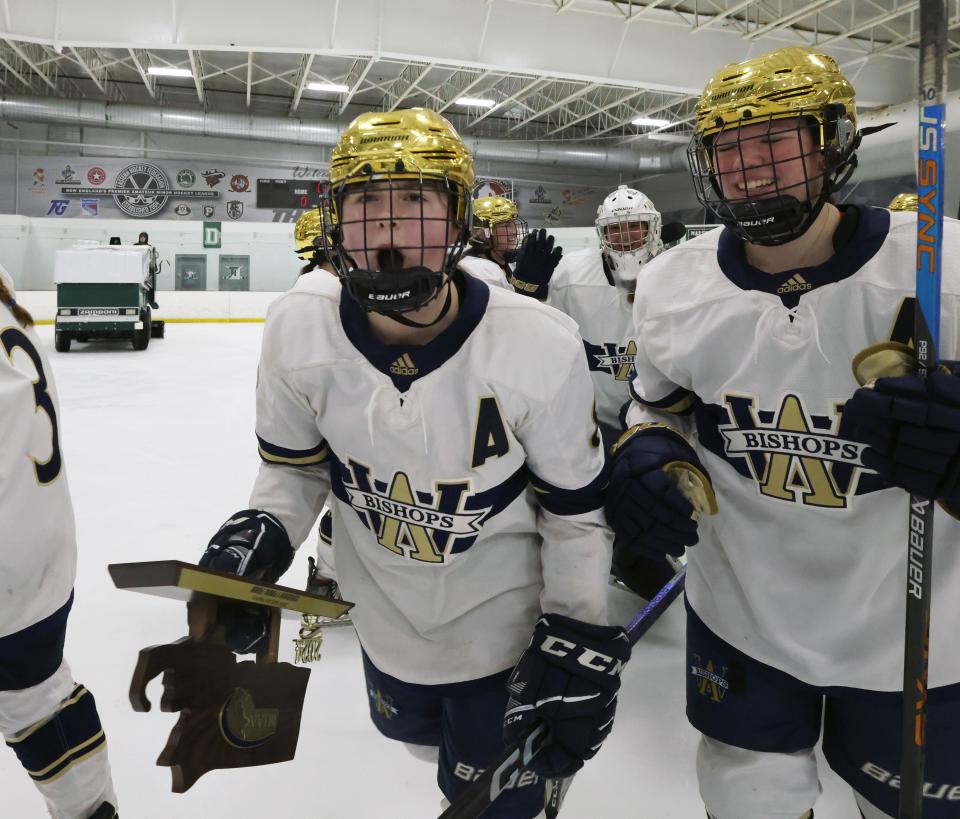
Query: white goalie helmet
[(628, 225)]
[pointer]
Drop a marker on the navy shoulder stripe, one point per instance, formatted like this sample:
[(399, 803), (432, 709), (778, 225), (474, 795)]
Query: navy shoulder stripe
[(571, 501), (273, 454)]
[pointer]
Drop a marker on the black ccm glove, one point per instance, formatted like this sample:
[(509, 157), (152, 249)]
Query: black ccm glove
[(252, 543), (535, 265), (568, 677)]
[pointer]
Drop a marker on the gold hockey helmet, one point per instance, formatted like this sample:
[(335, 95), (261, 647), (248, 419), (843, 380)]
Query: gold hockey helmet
[(789, 82), (800, 88), (399, 150), (492, 210), (903, 201), (415, 143), (305, 233)]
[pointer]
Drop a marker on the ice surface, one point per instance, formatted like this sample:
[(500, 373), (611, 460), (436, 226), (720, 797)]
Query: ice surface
[(159, 449)]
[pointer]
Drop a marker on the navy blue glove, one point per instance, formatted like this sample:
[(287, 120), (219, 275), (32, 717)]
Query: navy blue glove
[(568, 677), (252, 543), (639, 572), (911, 426), (535, 265), (644, 507)]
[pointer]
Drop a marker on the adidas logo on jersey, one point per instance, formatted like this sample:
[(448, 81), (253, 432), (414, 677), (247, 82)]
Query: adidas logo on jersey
[(795, 284), (404, 366)]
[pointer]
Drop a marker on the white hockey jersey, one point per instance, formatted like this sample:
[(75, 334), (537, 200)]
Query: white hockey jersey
[(467, 473), (580, 288), (804, 566), (38, 546), (482, 269), (485, 270)]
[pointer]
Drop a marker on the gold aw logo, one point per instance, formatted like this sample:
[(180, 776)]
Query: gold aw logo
[(793, 455), (611, 357), (423, 526), (711, 683)]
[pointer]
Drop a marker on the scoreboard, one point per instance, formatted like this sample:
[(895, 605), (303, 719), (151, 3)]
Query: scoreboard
[(290, 194)]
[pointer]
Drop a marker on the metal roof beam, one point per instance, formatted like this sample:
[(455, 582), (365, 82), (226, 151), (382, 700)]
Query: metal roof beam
[(149, 81), (195, 66), (723, 15), (675, 103), (85, 64), (614, 104), (360, 77), (789, 19), (409, 89), (21, 51), (462, 92), (558, 104), (875, 21), (516, 97), (306, 62), (249, 76)]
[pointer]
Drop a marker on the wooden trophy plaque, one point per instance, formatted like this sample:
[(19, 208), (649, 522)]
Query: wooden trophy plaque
[(232, 714)]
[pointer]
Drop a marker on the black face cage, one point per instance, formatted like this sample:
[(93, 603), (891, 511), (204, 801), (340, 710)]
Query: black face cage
[(521, 234), (786, 213), (394, 278)]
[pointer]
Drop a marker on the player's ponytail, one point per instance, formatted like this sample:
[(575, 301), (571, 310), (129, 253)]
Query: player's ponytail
[(19, 313)]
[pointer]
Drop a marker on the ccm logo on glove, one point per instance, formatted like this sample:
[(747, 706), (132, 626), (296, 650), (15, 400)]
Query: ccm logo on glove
[(588, 658)]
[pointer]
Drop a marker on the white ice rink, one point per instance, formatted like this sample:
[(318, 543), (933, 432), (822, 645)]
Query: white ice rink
[(159, 449)]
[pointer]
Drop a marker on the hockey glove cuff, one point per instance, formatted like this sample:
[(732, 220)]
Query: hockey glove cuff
[(657, 489), (911, 426), (568, 677)]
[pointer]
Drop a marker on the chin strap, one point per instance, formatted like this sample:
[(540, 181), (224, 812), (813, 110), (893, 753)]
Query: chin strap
[(400, 318)]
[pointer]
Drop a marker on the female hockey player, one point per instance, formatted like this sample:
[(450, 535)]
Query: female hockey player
[(795, 590), (308, 244), (498, 232), (431, 402), (48, 720)]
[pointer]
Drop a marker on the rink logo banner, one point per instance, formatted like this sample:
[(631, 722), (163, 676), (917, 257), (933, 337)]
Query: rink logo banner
[(711, 682), (140, 190), (613, 358), (422, 526), (793, 455)]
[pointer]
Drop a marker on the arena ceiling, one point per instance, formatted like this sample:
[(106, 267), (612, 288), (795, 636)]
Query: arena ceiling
[(556, 70)]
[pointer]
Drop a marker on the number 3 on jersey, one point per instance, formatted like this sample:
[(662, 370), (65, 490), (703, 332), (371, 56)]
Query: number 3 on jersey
[(10, 339)]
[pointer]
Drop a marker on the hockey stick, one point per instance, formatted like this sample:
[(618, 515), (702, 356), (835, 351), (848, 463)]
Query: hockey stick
[(500, 773), (930, 183)]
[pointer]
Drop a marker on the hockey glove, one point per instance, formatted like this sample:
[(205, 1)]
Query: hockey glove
[(568, 677), (653, 476), (640, 573), (535, 265), (911, 426), (252, 543)]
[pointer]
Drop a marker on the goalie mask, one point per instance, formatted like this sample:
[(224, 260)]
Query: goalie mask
[(774, 137), (628, 225), (400, 192), (497, 226)]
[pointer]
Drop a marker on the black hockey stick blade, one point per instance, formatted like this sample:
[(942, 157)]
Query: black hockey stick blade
[(500, 773)]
